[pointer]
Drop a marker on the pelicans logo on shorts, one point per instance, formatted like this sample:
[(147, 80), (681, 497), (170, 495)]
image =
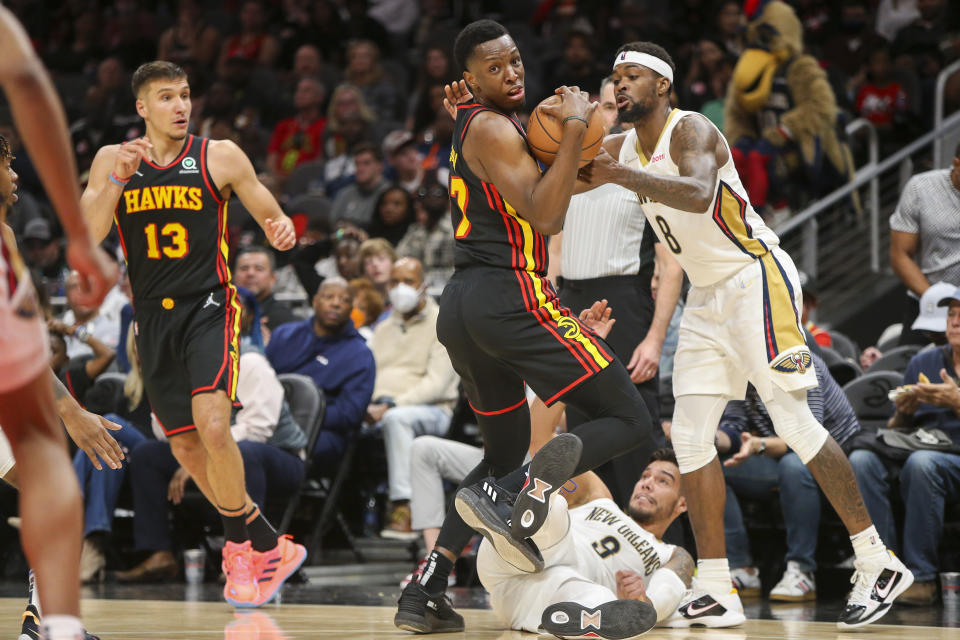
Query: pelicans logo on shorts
[(795, 362)]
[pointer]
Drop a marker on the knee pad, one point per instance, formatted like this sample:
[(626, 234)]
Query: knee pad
[(794, 422), (694, 428)]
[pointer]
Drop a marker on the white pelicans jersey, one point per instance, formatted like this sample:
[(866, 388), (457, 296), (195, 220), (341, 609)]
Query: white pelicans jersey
[(710, 245)]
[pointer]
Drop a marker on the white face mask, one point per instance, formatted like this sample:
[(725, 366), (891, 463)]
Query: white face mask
[(404, 298)]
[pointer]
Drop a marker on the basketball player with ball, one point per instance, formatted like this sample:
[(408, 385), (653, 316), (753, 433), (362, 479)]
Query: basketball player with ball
[(741, 323), (503, 326)]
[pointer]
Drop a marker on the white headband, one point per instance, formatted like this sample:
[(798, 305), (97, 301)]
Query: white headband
[(645, 60)]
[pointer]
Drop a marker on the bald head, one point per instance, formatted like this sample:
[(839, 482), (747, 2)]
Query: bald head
[(408, 271)]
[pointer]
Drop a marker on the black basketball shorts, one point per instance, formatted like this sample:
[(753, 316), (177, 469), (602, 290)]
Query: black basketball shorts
[(187, 346)]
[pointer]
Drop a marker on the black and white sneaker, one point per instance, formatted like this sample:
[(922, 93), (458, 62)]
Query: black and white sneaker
[(616, 620), (486, 507), (553, 465), (875, 587), (701, 609), (420, 612)]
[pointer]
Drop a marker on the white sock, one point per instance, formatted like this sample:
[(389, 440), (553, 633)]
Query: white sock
[(713, 575), (867, 545), (59, 627)]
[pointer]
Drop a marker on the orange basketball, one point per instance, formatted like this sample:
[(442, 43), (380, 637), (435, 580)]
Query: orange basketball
[(544, 133)]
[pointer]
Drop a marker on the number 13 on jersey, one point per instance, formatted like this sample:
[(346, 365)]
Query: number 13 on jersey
[(177, 234), (458, 190)]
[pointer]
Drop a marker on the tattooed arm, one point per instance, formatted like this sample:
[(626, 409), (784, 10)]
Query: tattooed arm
[(693, 147), (682, 564)]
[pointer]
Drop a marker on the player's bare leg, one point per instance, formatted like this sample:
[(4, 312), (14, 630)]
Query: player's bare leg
[(52, 527), (832, 471), (224, 468), (188, 449)]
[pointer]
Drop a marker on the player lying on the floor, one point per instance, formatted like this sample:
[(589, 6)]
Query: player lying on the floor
[(606, 571)]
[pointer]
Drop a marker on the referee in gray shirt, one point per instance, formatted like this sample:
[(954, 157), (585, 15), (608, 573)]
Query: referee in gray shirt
[(925, 238), (607, 251)]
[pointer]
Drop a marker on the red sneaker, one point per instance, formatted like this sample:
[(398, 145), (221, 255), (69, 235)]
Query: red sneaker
[(275, 566), (240, 568)]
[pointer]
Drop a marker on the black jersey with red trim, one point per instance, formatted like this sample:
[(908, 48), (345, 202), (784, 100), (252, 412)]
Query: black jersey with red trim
[(173, 226), (487, 229)]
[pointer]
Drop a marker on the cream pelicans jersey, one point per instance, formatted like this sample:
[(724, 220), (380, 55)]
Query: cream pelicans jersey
[(709, 245), (607, 540)]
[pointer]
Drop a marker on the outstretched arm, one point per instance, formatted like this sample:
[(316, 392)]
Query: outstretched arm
[(89, 431), (693, 148), (40, 119), (230, 167)]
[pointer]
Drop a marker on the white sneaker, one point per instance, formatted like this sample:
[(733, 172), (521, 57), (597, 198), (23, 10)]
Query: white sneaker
[(796, 585), (875, 587), (746, 580), (701, 609)]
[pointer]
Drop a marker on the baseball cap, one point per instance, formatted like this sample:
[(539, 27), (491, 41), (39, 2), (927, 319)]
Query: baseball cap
[(395, 141), (37, 229), (808, 285), (947, 299), (933, 315)]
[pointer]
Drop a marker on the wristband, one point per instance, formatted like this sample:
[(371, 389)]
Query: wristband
[(580, 118), (81, 334), (763, 447), (117, 180)]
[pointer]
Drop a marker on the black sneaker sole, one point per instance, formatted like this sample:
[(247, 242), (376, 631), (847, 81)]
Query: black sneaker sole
[(553, 465), (476, 512), (615, 620), (421, 624)]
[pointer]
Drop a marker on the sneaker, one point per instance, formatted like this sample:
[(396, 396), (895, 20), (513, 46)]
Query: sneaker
[(616, 620), (30, 624), (420, 612), (399, 527), (796, 585), (920, 594), (701, 609), (240, 568), (418, 571), (486, 507), (276, 565), (875, 587), (93, 562), (550, 469), (746, 580)]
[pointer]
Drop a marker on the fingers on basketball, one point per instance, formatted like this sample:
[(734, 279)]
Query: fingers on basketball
[(545, 130)]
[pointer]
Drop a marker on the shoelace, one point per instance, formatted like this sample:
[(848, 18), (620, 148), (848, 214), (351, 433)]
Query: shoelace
[(862, 581), (242, 567)]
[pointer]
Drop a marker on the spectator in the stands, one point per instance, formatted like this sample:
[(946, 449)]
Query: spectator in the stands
[(77, 374), (367, 307), (44, 252), (925, 236), (270, 441), (299, 139), (255, 270), (349, 122), (854, 39), (365, 72), (579, 66), (406, 164), (416, 387), (102, 322), (730, 27), (392, 215), (436, 68), (253, 42), (354, 203), (359, 25), (430, 238), (377, 256), (928, 465), (811, 294), (882, 100), (327, 348), (190, 38), (760, 463), (81, 50), (917, 46), (708, 55)]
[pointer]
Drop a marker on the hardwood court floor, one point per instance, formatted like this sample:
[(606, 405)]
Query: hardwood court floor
[(160, 619)]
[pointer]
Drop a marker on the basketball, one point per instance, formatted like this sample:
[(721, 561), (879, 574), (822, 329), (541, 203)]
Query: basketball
[(544, 133)]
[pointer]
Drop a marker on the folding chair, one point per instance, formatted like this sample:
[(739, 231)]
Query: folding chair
[(308, 405), (845, 346), (868, 397)]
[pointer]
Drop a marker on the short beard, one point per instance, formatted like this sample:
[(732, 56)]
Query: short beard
[(640, 517), (636, 112)]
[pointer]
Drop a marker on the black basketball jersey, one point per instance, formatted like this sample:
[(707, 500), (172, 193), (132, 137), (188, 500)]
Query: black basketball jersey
[(488, 230), (173, 227)]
